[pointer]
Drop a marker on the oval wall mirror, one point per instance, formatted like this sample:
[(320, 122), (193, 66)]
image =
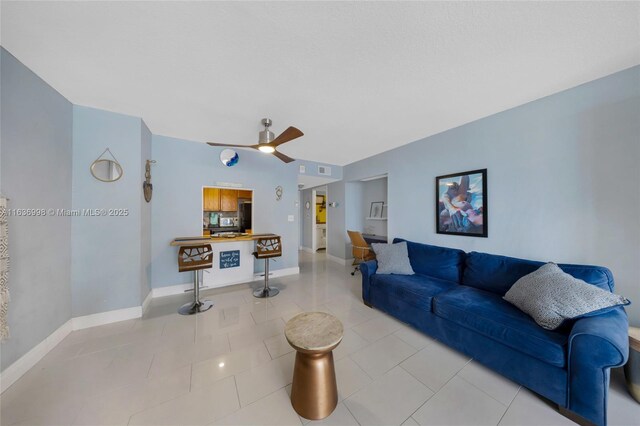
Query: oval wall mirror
[(106, 170), (229, 157)]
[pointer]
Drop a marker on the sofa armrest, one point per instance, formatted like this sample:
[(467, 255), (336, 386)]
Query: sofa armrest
[(604, 339), (367, 269), (595, 345)]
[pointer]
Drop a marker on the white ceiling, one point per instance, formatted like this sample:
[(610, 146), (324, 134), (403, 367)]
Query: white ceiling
[(358, 78)]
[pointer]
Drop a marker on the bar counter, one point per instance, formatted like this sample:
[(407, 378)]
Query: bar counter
[(233, 260), (194, 241)]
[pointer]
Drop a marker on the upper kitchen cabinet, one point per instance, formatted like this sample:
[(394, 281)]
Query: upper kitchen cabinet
[(211, 199), (228, 200), (245, 194)]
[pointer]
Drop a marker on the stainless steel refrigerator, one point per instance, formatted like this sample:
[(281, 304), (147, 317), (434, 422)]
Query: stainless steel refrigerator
[(244, 214)]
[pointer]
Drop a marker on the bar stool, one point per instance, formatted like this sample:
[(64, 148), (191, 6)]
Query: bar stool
[(267, 248), (195, 258)]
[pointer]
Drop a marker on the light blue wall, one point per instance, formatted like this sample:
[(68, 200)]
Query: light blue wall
[(145, 216), (306, 217), (311, 169), (106, 254), (563, 179), (183, 168), (336, 227), (373, 191), (35, 170)]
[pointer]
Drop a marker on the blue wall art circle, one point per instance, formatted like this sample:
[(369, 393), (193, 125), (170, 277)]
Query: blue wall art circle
[(229, 157)]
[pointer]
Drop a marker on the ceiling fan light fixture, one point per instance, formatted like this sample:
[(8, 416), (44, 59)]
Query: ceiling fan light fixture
[(267, 149)]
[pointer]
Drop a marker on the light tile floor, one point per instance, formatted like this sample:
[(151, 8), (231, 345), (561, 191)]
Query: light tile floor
[(232, 366)]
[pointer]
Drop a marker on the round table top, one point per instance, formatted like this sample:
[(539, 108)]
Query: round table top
[(314, 331)]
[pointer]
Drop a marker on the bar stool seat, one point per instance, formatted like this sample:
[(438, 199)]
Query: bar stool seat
[(267, 248), (195, 258)]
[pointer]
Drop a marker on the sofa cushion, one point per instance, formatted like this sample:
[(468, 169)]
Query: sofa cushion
[(497, 274), (416, 290), (551, 297), (489, 315), (439, 262), (392, 258)]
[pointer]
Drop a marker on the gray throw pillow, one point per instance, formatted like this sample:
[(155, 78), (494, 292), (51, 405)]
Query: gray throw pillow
[(392, 258), (551, 296)]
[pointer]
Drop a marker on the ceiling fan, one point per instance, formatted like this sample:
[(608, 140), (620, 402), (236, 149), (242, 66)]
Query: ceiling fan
[(267, 143)]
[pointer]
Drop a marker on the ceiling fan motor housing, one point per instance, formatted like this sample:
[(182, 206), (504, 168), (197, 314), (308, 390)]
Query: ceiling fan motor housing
[(266, 136)]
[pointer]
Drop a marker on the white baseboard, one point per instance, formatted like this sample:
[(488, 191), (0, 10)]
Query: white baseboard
[(306, 249), (31, 358), (108, 317), (146, 302), (277, 273), (339, 260), (170, 290)]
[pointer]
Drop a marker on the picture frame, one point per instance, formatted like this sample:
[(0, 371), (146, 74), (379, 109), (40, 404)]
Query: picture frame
[(461, 204), (375, 211)]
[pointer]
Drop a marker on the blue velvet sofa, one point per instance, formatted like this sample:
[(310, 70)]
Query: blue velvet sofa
[(456, 297)]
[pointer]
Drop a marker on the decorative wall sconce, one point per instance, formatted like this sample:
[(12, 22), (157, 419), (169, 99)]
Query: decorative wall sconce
[(147, 187), (334, 204), (278, 193)]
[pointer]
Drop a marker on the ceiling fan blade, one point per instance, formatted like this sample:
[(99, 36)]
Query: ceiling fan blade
[(283, 157), (290, 134), (231, 145)]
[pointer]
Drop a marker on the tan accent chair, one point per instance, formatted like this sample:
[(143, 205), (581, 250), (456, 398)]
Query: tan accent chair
[(361, 250)]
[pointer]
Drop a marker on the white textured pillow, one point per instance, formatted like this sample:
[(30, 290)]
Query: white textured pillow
[(392, 258), (552, 296)]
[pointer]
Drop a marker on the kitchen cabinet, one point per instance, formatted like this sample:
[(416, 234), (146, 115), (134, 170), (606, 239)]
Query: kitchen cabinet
[(228, 200), (243, 193), (211, 199)]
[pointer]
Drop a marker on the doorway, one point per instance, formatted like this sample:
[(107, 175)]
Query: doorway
[(319, 219)]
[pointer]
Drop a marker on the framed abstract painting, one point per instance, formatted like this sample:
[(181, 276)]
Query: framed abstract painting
[(461, 204)]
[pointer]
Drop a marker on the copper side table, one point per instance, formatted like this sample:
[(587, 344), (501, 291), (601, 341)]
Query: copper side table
[(314, 335), (632, 367)]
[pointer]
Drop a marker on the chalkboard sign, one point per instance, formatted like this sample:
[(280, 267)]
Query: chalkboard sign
[(229, 259)]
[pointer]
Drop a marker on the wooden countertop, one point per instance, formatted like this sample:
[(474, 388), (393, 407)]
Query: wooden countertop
[(194, 241)]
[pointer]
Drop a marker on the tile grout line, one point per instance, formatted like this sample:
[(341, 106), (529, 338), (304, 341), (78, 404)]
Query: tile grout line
[(235, 382), (509, 406), (482, 390), (397, 365), (423, 384), (350, 412), (153, 358), (163, 402), (434, 392)]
